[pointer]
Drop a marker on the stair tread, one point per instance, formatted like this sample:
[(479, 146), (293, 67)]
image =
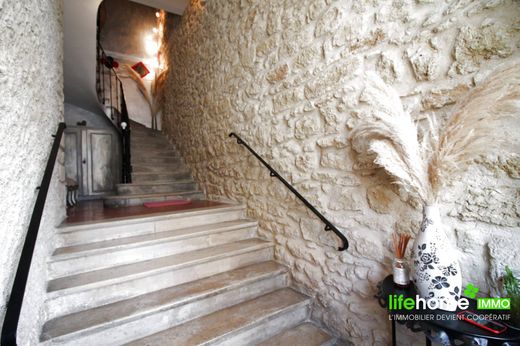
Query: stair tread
[(158, 300), (158, 153), (172, 172), (161, 182), (225, 321), (151, 195), (144, 268), (221, 207), (304, 334), (134, 241)]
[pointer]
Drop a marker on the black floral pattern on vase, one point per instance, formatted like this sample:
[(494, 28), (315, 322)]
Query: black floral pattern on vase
[(422, 276), (439, 282), (425, 223), (455, 293), (449, 270), (426, 259)]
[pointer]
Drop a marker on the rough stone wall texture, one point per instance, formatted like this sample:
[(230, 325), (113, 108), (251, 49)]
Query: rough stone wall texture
[(287, 76), (31, 85)]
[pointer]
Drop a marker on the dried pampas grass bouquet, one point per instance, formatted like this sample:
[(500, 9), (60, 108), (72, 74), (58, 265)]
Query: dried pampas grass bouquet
[(424, 167)]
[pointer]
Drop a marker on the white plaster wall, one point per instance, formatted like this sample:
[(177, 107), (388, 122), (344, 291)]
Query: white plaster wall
[(80, 54), (286, 75), (31, 85)]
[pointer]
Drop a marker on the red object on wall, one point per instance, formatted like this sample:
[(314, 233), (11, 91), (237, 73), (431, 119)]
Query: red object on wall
[(140, 68)]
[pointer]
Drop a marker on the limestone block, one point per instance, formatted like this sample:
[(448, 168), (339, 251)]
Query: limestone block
[(308, 56), (388, 68), (380, 199), (328, 22), (316, 8), (333, 142), (475, 44), (307, 162), (336, 160), (438, 98), (504, 251), (278, 74), (425, 63), (346, 201), (307, 126), (491, 205)]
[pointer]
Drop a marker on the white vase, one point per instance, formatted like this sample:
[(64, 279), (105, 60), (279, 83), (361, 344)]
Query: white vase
[(436, 270)]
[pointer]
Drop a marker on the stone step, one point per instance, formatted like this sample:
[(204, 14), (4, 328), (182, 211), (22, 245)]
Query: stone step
[(92, 289), (140, 128), (139, 154), (127, 320), (140, 138), (161, 168), (104, 254), (133, 200), (88, 232), (140, 177), (156, 187), (246, 323), (153, 142), (304, 334), (155, 160)]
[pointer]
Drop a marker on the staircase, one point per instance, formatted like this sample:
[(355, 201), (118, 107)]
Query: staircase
[(191, 277), (158, 172)]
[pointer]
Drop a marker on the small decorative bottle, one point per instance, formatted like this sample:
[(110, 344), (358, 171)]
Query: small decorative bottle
[(401, 273)]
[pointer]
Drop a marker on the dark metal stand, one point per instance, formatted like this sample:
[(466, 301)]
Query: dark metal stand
[(442, 329)]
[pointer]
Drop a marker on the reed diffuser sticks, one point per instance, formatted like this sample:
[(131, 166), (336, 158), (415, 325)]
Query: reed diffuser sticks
[(400, 242)]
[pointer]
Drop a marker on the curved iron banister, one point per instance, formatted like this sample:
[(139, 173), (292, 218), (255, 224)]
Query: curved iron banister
[(116, 101), (14, 305), (273, 173)]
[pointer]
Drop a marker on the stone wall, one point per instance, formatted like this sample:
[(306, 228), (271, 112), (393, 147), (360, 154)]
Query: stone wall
[(31, 85), (286, 76)]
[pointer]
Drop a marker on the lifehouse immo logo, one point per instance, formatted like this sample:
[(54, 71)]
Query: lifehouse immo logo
[(399, 302)]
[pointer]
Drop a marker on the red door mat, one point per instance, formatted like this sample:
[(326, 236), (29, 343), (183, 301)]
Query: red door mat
[(167, 203)]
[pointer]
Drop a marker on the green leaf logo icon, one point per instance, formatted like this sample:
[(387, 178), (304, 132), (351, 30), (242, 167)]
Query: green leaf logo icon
[(471, 291)]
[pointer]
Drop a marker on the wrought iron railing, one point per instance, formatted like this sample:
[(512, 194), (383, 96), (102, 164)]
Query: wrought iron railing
[(14, 305), (111, 94), (273, 173)]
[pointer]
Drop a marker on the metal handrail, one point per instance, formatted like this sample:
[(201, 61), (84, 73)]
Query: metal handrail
[(273, 173), (14, 305), (122, 123)]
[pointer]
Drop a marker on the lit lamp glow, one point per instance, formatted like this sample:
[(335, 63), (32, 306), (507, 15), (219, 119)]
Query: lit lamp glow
[(151, 45)]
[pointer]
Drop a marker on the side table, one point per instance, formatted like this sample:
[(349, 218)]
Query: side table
[(441, 326)]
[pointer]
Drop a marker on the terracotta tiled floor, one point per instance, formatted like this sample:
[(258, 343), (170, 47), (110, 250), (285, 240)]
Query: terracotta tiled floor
[(93, 211)]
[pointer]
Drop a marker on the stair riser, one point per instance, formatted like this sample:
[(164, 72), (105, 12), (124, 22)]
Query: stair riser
[(80, 298), (126, 189), (137, 135), (114, 333), (91, 233), (140, 178), (161, 169), (146, 160), (150, 144), (146, 252), (264, 330), (130, 201), (140, 154)]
